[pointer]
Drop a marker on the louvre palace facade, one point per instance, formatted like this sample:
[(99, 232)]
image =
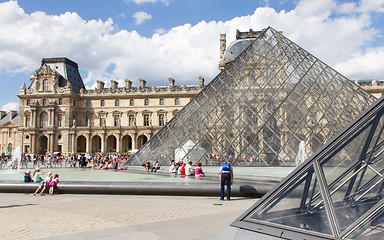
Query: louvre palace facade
[(58, 114)]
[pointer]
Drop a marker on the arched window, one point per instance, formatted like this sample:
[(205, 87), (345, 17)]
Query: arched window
[(177, 102), (44, 119), (146, 102), (161, 101), (131, 102), (44, 101), (45, 85), (117, 102), (102, 103)]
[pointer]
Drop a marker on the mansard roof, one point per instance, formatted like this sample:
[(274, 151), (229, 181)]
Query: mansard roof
[(68, 69)]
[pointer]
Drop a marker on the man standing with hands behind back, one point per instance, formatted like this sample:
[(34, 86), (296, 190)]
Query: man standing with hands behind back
[(226, 178)]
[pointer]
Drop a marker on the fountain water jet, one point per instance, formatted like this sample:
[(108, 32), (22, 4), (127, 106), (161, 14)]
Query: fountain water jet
[(15, 161)]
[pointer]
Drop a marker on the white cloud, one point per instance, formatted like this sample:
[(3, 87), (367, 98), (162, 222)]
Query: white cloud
[(141, 17), (121, 15), (10, 106), (183, 52), (367, 65), (166, 2), (160, 31)]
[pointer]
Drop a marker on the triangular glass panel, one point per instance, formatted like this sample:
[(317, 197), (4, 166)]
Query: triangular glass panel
[(336, 194), (264, 103)]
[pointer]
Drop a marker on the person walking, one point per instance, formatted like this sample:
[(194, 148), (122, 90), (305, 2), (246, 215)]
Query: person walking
[(226, 178)]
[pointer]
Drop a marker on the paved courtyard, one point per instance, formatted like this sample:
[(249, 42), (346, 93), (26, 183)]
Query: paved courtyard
[(69, 216)]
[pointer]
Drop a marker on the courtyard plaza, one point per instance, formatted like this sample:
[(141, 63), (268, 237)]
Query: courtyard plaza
[(73, 216), (101, 216)]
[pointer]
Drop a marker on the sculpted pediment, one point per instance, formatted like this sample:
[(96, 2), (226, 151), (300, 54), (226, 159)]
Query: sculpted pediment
[(45, 79)]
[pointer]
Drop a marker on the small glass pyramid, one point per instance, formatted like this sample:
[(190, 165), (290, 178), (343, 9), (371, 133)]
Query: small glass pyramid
[(270, 98), (335, 194)]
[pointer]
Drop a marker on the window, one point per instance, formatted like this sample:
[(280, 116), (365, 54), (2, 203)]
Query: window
[(60, 101), (131, 119), (146, 119), (9, 132), (27, 120), (161, 119), (117, 102), (45, 85), (146, 102), (177, 101), (102, 103), (131, 102), (43, 119), (88, 120), (59, 119), (161, 101), (88, 103), (28, 102), (74, 102), (116, 120), (102, 120), (44, 101)]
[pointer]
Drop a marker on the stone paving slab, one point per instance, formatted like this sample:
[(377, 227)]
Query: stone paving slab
[(71, 216)]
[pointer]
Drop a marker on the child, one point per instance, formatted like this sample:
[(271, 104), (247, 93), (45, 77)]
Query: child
[(53, 184), (27, 176), (44, 184)]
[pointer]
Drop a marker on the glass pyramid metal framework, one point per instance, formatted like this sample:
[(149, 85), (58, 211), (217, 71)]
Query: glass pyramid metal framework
[(336, 194), (259, 108)]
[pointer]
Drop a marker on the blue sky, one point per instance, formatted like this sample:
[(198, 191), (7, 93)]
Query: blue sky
[(157, 39)]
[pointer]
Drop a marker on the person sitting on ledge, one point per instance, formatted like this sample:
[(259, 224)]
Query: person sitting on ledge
[(27, 176), (146, 166), (189, 171), (199, 171), (37, 175), (156, 166)]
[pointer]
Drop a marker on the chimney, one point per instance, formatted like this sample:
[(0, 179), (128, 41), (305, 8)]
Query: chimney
[(100, 84), (128, 83), (223, 45), (13, 113), (171, 82), (2, 114), (143, 83), (114, 84), (201, 82)]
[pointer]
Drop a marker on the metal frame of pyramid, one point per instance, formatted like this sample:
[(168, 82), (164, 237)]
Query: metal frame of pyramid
[(335, 194), (259, 108)]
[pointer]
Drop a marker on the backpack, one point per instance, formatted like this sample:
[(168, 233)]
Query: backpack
[(226, 167)]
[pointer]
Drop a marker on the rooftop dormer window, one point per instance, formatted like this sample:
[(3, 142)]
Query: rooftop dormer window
[(45, 85)]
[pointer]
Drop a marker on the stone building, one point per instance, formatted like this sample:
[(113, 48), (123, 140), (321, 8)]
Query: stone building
[(9, 122), (58, 114)]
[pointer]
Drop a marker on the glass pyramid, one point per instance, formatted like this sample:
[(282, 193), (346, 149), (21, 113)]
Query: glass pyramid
[(336, 194), (270, 98)]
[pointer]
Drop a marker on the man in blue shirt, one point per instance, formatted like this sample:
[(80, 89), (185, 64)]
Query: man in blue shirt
[(226, 178)]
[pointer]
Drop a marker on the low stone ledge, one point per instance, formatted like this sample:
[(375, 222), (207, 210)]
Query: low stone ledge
[(254, 190)]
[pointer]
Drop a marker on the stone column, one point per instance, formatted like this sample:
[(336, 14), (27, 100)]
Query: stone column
[(134, 141), (103, 145), (33, 143), (89, 149), (73, 145), (33, 118), (49, 143)]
